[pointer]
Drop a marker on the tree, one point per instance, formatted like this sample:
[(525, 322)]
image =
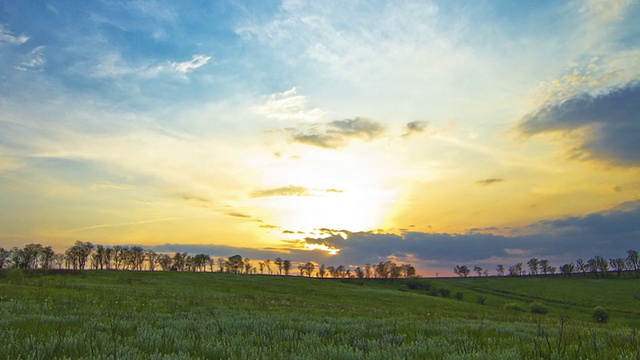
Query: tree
[(4, 257), (544, 266), (136, 257), (261, 265), (367, 270), (235, 264), (286, 266), (500, 269), (478, 269), (267, 263), (165, 261), (618, 265), (567, 269), (359, 273), (279, 263), (118, 256), (581, 266), (461, 271), (247, 265), (200, 262), (79, 253), (533, 264), (308, 268), (322, 271), (179, 261), (633, 261), (46, 257), (152, 259)]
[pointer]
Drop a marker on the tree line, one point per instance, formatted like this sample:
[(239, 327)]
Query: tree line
[(83, 255), (595, 266)]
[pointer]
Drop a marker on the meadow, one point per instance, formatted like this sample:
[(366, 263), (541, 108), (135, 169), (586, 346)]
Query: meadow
[(186, 315)]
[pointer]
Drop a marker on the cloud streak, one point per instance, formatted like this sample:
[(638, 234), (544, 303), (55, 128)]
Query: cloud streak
[(339, 133), (197, 61), (290, 190), (7, 36)]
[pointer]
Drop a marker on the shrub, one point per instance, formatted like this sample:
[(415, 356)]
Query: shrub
[(403, 288), (515, 306), (538, 308), (481, 300), (459, 296), (445, 292), (415, 284), (600, 315), (433, 292)]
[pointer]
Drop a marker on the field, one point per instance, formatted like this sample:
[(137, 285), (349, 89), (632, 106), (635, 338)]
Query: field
[(175, 315)]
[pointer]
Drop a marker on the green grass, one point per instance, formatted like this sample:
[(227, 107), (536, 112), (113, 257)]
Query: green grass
[(170, 315)]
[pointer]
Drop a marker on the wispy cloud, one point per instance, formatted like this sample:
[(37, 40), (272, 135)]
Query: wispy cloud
[(288, 105), (8, 37), (339, 133), (290, 190), (415, 127), (196, 62), (34, 60), (487, 182)]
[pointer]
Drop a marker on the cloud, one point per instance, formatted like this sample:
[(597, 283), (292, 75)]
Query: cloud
[(8, 37), (34, 60), (290, 190), (239, 215), (607, 121), (339, 133), (196, 61), (415, 127), (288, 105), (608, 233), (487, 182)]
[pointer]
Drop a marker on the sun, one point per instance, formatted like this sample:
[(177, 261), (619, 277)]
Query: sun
[(346, 191)]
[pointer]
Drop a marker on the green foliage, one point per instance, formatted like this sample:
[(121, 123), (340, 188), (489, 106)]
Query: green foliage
[(445, 292), (459, 296), (600, 315), (538, 308), (481, 299)]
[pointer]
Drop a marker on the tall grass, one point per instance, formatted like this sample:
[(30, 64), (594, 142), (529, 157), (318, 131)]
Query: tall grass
[(109, 315)]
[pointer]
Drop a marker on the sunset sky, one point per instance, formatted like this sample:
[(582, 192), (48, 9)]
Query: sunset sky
[(342, 132)]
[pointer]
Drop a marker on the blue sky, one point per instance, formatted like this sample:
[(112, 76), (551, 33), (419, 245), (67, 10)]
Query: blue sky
[(255, 125)]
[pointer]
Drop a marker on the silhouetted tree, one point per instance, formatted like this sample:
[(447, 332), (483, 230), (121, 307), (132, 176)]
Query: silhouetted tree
[(152, 259), (286, 266), (478, 269), (322, 271), (235, 264), (462, 271), (618, 265), (280, 264), (633, 261), (165, 261), (581, 266), (500, 269), (544, 266), (533, 264), (567, 269)]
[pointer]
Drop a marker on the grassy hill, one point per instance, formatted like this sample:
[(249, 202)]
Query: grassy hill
[(168, 315)]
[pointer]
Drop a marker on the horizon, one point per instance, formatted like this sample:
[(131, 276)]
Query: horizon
[(431, 133)]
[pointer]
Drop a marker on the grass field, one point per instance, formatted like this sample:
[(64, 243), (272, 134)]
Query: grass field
[(175, 315)]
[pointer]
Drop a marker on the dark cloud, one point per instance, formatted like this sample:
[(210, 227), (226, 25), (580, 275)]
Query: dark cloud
[(414, 127), (612, 118), (339, 133), (290, 190), (486, 182), (608, 234)]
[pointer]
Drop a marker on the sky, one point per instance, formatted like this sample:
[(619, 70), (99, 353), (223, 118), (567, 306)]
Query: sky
[(433, 133)]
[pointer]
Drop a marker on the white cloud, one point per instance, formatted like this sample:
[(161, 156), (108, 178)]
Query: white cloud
[(8, 37), (196, 62), (34, 60), (288, 105)]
